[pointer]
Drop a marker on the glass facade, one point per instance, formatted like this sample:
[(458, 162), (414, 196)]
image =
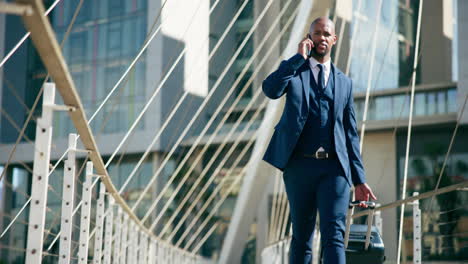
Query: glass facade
[(242, 26), (445, 219), (102, 43), (385, 60), (14, 192), (396, 107), (393, 62), (108, 34), (395, 36), (120, 171), (104, 39)]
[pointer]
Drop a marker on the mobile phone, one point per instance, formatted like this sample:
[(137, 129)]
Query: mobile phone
[(309, 51)]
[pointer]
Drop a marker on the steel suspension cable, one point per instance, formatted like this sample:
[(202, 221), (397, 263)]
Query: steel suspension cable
[(23, 39), (129, 68), (205, 237), (214, 156), (442, 170), (277, 215), (223, 197), (156, 137), (410, 124), (342, 27), (209, 181), (282, 213), (153, 96), (231, 62), (44, 26), (285, 219), (36, 101), (273, 207), (351, 43), (203, 173), (147, 41), (239, 96), (369, 77), (180, 123)]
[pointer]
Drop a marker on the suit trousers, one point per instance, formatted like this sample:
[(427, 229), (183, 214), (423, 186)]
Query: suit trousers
[(313, 185)]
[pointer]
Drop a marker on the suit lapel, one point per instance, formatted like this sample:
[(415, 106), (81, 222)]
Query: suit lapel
[(339, 87), (305, 76)]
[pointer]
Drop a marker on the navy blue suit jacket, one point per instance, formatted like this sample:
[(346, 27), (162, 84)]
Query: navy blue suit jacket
[(289, 79)]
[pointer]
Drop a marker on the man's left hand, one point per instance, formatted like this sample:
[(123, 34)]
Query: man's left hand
[(363, 193)]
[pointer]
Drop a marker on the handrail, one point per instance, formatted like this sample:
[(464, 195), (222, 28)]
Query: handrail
[(414, 198), (397, 203), (47, 46)]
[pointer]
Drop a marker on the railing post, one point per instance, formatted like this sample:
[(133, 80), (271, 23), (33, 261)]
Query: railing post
[(161, 253), (131, 242), (152, 252), (118, 235), (140, 247), (135, 243), (378, 220), (68, 193), (85, 215), (370, 219), (175, 256), (133, 238), (349, 222), (416, 231), (285, 251), (125, 239), (165, 254), (171, 254), (40, 178), (109, 228), (99, 225), (158, 252), (145, 249)]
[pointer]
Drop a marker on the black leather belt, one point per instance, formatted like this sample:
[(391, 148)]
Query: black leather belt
[(321, 155)]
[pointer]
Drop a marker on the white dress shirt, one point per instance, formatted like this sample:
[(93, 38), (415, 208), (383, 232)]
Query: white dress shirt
[(315, 69)]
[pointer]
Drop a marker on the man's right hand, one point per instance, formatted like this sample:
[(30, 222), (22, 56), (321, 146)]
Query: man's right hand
[(304, 46)]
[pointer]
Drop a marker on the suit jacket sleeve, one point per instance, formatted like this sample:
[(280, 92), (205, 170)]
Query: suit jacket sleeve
[(352, 141), (275, 85)]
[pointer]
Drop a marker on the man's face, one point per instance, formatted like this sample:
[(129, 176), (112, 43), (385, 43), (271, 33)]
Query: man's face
[(323, 35)]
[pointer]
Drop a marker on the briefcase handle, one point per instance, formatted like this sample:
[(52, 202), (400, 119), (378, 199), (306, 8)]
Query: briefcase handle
[(370, 218), (370, 205)]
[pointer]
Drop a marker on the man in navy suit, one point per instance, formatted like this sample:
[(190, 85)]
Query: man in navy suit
[(316, 144)]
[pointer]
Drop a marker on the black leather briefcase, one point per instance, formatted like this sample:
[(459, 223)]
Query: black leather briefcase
[(356, 252), (363, 242)]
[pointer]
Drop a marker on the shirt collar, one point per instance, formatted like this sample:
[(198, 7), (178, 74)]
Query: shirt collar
[(313, 63)]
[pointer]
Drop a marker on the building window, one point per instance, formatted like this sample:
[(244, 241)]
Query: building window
[(116, 7), (444, 234), (114, 40)]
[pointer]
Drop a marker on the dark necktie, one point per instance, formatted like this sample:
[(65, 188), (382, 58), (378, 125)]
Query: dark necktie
[(321, 79)]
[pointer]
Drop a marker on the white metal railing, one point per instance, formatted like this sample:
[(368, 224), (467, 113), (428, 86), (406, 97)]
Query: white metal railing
[(275, 252), (119, 235), (94, 207), (131, 243), (132, 239)]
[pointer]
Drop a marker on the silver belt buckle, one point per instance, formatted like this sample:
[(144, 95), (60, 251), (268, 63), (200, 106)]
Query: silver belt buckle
[(320, 151)]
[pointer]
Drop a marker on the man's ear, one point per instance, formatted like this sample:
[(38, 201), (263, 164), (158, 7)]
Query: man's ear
[(335, 38)]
